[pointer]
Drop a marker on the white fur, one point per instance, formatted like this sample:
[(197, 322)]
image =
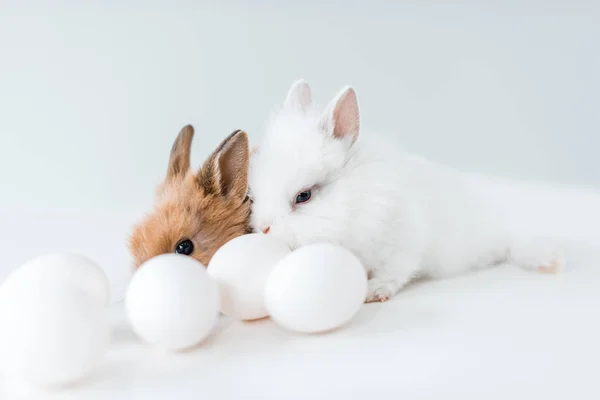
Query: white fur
[(402, 215)]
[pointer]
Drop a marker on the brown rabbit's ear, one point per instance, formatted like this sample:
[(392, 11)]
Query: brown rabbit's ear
[(179, 162), (225, 172)]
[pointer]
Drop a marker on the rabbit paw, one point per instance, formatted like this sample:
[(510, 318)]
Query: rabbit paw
[(553, 267), (379, 291), (538, 256)]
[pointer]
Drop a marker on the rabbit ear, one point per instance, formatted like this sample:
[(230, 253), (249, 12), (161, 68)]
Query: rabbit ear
[(179, 161), (341, 118), (225, 172), (299, 97)]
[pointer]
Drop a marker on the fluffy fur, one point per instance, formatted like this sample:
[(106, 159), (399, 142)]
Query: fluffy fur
[(403, 216), (209, 206)]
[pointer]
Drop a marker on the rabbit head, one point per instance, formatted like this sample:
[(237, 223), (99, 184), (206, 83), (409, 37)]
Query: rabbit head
[(299, 175), (196, 212)]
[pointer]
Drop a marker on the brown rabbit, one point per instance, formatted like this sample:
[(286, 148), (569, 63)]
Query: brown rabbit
[(196, 212)]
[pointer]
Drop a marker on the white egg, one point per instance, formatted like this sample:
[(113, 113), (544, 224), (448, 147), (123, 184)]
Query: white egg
[(51, 335), (316, 288), (241, 268), (172, 302), (71, 269)]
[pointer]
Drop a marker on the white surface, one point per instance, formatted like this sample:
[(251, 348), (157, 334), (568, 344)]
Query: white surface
[(316, 288), (61, 269), (93, 94), (172, 302), (495, 334), (241, 267), (52, 334)]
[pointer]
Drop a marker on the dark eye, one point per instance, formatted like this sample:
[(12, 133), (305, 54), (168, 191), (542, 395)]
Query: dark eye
[(185, 247), (303, 197)]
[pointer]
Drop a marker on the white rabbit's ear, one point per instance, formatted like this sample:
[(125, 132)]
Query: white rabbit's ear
[(341, 119), (299, 97)]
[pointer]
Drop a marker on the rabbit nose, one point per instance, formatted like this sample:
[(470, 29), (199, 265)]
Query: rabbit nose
[(265, 229)]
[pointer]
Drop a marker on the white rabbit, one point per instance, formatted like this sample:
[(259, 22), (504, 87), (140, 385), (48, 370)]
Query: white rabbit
[(312, 181)]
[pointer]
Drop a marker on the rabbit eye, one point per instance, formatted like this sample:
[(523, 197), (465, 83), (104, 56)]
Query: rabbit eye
[(185, 247), (303, 196)]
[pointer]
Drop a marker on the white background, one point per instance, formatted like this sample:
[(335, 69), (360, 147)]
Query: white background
[(92, 96)]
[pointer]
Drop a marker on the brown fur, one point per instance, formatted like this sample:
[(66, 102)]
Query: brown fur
[(209, 206)]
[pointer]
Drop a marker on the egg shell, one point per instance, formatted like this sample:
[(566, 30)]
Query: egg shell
[(316, 288), (58, 268), (52, 335), (241, 268), (172, 302)]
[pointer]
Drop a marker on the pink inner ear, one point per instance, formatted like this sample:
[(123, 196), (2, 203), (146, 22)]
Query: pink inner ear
[(346, 118), (303, 97), (299, 97)]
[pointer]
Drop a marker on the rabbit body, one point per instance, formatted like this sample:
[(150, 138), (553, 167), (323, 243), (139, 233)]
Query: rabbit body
[(402, 215)]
